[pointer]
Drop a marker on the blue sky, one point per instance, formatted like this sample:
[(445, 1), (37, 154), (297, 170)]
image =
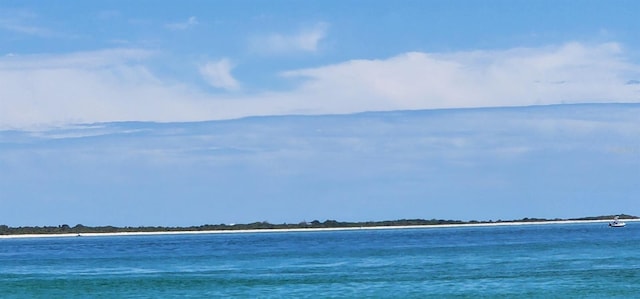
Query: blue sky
[(66, 63), (483, 163)]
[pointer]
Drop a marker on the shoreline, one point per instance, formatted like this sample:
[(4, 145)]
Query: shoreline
[(275, 230)]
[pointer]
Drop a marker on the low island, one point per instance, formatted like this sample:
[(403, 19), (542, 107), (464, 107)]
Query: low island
[(66, 230)]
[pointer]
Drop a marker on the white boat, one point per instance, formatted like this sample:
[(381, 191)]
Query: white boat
[(617, 223)]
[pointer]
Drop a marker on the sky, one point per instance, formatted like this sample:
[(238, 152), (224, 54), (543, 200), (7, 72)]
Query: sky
[(69, 67)]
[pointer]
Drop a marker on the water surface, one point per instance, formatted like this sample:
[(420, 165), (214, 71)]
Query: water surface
[(530, 261)]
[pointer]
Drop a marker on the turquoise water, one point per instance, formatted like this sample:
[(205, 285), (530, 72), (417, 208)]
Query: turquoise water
[(533, 261)]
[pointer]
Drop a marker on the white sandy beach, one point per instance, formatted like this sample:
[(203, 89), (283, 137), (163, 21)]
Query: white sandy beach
[(304, 229)]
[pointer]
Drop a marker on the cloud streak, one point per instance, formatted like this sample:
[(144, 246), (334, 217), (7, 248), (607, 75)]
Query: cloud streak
[(305, 40), (80, 60), (118, 84), (21, 21), (189, 23)]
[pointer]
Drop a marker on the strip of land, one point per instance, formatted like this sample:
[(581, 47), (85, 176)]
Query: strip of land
[(177, 231)]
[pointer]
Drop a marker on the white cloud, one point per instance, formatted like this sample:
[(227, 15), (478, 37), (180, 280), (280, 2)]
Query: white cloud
[(190, 22), (569, 73), (89, 87), (218, 74), (117, 84), (305, 40)]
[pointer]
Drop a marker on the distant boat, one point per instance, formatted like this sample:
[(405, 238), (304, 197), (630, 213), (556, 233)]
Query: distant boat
[(617, 223)]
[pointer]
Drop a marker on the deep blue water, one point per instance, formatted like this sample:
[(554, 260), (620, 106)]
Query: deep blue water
[(532, 261)]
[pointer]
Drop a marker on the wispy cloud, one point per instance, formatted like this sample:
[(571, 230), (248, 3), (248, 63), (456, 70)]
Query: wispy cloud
[(24, 22), (305, 40), (118, 84), (218, 74), (190, 22), (108, 15), (80, 60)]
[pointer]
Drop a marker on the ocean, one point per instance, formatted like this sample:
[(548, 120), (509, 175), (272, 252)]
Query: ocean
[(586, 260)]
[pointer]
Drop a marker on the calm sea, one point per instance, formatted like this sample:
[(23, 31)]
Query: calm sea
[(532, 261)]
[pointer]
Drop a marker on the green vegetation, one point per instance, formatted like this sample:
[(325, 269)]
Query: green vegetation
[(608, 217), (81, 229)]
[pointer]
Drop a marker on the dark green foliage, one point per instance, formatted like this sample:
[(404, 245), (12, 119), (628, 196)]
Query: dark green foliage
[(606, 217)]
